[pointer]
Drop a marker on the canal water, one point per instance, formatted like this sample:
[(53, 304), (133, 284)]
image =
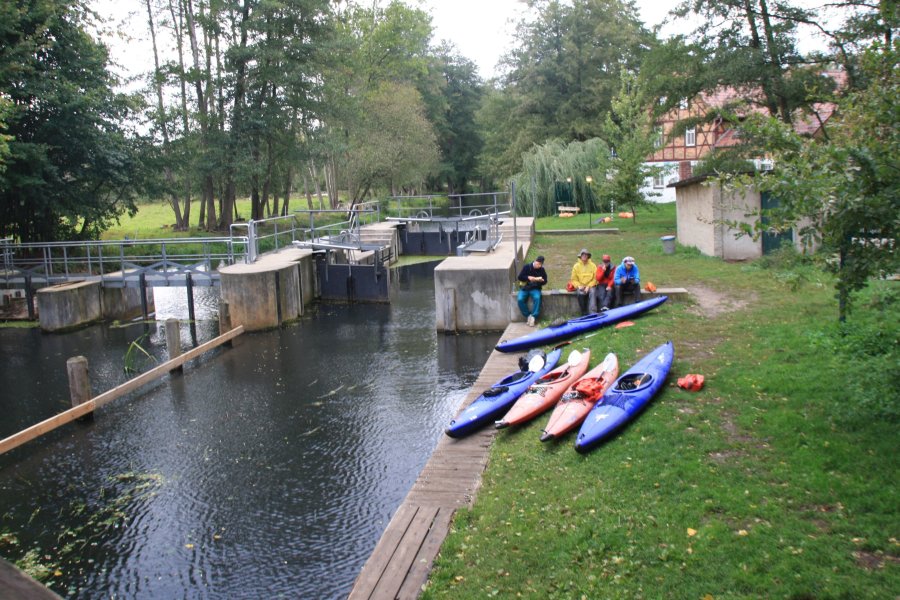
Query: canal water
[(266, 470)]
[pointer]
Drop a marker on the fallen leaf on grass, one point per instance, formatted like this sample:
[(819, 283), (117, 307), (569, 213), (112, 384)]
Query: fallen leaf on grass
[(691, 532)]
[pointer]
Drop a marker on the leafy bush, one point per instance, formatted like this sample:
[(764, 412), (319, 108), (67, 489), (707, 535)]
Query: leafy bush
[(866, 352), (790, 268)]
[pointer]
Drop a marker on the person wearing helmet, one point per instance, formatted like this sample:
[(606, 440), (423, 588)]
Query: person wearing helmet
[(602, 294), (583, 279), (627, 281), (531, 279)]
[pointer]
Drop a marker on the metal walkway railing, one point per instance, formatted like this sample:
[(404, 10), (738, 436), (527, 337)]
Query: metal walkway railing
[(121, 263)]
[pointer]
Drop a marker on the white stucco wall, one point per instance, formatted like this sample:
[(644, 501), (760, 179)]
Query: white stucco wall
[(695, 218), (741, 208), (669, 175), (701, 210)]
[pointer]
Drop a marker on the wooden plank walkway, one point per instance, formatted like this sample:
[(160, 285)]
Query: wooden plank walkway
[(402, 559)]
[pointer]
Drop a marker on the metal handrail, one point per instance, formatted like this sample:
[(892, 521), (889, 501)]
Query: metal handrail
[(111, 260), (429, 206)]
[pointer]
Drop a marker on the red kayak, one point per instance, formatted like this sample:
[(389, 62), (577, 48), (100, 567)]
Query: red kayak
[(581, 397), (546, 391)]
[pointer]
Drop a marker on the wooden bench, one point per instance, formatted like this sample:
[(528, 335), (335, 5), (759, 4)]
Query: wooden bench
[(568, 209)]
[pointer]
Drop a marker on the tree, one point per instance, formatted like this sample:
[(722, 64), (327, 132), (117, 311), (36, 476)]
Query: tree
[(565, 71), (5, 110), (628, 129), (458, 134), (372, 48), (392, 144), (751, 46), (554, 164), (70, 166), (844, 191)]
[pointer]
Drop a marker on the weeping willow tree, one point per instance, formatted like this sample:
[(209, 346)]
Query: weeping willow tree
[(555, 166)]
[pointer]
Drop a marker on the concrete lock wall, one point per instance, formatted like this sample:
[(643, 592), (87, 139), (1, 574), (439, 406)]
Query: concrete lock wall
[(472, 293), (267, 293), (69, 305), (123, 303)]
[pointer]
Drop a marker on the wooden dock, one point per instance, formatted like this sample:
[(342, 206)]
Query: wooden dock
[(402, 559)]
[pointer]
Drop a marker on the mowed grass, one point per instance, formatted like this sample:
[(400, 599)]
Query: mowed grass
[(155, 220), (762, 485)]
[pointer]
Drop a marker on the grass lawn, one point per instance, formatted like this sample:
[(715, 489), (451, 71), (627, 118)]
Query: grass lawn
[(774, 481), (156, 219)]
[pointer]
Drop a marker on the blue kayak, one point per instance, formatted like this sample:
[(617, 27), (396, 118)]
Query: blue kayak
[(626, 397), (572, 327), (494, 402)]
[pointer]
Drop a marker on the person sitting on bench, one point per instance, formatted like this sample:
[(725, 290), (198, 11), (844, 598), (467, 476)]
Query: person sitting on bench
[(531, 280), (627, 281), (582, 279)]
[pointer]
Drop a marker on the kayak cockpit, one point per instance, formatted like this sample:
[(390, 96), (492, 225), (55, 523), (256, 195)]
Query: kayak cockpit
[(633, 381)]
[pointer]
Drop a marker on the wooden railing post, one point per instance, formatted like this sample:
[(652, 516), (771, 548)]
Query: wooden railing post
[(173, 341)]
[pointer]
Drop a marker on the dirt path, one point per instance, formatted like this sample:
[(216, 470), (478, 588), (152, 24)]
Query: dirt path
[(712, 304)]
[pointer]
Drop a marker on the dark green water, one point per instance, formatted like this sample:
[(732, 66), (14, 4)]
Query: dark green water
[(267, 470)]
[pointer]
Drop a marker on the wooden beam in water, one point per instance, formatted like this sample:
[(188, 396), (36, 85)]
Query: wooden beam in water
[(76, 412)]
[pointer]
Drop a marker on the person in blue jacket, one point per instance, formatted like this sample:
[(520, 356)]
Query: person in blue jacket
[(531, 279), (627, 281)]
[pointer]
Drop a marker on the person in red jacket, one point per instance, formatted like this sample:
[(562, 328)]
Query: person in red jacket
[(602, 294)]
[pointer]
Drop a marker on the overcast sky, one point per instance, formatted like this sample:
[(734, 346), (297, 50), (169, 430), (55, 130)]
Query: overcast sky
[(482, 30)]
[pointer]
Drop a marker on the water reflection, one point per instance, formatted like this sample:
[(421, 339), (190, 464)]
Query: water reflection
[(171, 302), (268, 469)]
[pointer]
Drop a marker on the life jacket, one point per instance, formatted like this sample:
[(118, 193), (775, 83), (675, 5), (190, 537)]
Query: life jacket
[(589, 387), (691, 382)]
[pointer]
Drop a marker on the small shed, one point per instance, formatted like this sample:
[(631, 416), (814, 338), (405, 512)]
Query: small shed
[(702, 208)]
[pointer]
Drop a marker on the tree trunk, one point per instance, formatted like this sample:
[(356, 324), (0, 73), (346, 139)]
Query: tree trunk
[(775, 67), (237, 133), (163, 126), (288, 189), (178, 24), (313, 172), (330, 183), (309, 203), (756, 44), (207, 185)]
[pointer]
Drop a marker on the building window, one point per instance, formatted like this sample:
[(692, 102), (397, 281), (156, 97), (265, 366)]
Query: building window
[(658, 141), (683, 104), (659, 180), (690, 137)]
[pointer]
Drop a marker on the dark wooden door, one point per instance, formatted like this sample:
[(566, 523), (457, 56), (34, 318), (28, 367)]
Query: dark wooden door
[(772, 241)]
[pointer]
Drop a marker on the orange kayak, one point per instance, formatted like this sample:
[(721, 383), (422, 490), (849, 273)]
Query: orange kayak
[(546, 391), (580, 398)]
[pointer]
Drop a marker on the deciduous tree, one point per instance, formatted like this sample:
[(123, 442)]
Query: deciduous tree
[(629, 131), (70, 166), (845, 191)]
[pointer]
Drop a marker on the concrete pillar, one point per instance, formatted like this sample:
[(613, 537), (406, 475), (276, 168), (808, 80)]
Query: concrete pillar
[(69, 305), (123, 304), (265, 294), (480, 286)]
